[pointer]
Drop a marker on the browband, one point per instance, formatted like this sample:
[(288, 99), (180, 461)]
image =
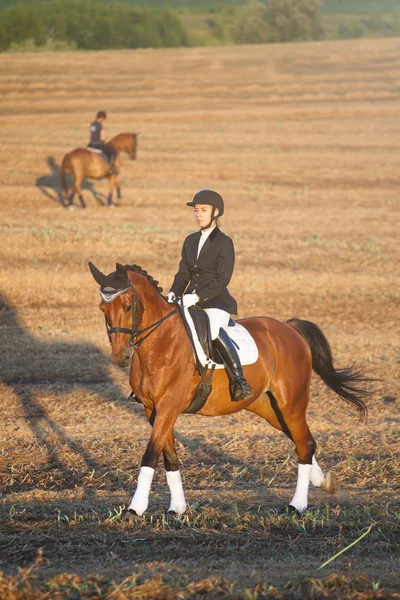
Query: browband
[(110, 296)]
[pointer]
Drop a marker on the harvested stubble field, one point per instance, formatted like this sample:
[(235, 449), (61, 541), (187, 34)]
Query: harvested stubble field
[(303, 142)]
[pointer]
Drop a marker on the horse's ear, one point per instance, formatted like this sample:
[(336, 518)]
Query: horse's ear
[(98, 276), (122, 274)]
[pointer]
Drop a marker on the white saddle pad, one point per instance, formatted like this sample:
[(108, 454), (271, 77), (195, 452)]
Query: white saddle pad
[(95, 150), (245, 345)]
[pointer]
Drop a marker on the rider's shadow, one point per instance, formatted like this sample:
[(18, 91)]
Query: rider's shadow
[(30, 368), (50, 185)]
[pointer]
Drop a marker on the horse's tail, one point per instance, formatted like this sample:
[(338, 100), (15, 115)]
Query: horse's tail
[(63, 173), (348, 382)]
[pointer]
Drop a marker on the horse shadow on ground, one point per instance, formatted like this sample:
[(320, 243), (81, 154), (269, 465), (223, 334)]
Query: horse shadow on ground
[(31, 366), (50, 185)]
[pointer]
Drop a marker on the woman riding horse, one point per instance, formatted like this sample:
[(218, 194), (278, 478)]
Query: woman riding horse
[(163, 375), (205, 270), (82, 163)]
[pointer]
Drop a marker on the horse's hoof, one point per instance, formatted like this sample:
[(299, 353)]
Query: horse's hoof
[(176, 512), (289, 510), (330, 484), (131, 514)]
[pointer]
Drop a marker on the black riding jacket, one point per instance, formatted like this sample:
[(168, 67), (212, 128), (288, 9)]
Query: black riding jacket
[(208, 275)]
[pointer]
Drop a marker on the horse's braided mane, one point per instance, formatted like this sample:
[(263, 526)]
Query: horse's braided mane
[(138, 269)]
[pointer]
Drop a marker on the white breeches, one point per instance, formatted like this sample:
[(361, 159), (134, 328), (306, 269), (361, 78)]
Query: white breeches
[(218, 318)]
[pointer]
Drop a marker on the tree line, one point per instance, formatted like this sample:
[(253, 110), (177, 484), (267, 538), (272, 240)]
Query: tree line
[(100, 24), (90, 25)]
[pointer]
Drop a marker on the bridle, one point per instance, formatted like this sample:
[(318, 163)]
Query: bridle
[(135, 332)]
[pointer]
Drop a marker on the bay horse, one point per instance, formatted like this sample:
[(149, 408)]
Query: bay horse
[(82, 163), (163, 376)]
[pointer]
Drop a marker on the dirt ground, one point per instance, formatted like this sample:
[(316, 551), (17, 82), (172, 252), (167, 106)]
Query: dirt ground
[(303, 143)]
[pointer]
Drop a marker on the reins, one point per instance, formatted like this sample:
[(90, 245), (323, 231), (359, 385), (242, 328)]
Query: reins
[(134, 331), (154, 326)]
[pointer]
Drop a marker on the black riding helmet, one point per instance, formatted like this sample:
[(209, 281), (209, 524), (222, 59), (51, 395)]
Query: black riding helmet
[(208, 197), (212, 199), (101, 115)]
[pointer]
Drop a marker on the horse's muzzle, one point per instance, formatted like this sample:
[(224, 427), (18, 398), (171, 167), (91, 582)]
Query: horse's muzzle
[(122, 361)]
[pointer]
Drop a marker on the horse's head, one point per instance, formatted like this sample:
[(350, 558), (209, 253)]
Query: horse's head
[(119, 303), (126, 142)]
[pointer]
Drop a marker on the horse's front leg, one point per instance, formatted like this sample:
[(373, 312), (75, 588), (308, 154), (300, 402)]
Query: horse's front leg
[(161, 437), (118, 187), (174, 479), (171, 463)]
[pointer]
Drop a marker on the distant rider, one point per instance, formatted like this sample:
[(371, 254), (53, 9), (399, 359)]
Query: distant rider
[(98, 140)]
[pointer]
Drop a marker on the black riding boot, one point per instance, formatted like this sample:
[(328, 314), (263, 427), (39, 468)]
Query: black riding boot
[(113, 169), (238, 386)]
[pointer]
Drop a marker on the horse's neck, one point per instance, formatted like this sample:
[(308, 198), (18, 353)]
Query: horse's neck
[(114, 145), (119, 143), (157, 309)]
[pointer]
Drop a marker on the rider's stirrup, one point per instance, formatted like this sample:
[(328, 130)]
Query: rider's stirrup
[(238, 386)]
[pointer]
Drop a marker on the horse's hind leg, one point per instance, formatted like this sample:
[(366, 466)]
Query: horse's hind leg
[(76, 189), (293, 424), (112, 184)]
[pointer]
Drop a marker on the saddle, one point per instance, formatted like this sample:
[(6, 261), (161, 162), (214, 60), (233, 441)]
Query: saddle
[(197, 326), (205, 356), (201, 323), (202, 329), (100, 153)]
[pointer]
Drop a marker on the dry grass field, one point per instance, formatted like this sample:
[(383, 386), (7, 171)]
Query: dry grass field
[(303, 142)]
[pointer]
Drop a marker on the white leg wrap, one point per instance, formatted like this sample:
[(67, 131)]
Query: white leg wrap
[(299, 500), (317, 476), (140, 500), (178, 502)]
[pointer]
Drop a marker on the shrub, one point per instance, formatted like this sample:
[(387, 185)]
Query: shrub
[(350, 30), (279, 21)]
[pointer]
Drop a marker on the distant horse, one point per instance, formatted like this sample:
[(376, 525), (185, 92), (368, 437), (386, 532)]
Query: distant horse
[(164, 378), (82, 162)]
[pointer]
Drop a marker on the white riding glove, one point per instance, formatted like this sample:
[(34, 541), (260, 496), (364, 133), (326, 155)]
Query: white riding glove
[(190, 300), (171, 297)]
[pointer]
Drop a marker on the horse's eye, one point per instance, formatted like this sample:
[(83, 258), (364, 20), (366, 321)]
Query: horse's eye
[(128, 308)]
